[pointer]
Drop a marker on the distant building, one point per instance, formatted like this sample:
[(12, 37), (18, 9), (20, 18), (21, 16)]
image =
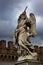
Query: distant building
[(7, 54), (39, 51), (10, 53)]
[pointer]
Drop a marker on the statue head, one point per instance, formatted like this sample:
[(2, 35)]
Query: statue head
[(22, 16), (32, 16)]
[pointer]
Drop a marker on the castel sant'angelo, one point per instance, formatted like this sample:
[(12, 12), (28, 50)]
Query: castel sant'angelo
[(10, 53)]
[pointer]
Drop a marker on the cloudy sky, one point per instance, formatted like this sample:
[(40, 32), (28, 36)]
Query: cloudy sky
[(9, 12)]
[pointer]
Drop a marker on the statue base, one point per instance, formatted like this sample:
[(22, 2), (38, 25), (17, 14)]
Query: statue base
[(34, 57), (28, 62)]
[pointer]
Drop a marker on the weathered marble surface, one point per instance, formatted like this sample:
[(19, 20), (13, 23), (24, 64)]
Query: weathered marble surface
[(34, 57), (29, 62)]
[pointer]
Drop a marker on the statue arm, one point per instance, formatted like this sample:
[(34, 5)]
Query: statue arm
[(20, 28)]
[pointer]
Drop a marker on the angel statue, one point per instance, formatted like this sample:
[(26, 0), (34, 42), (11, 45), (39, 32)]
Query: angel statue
[(26, 29)]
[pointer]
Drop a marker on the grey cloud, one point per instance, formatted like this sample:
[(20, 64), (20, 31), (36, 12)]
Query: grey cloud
[(9, 8), (9, 12), (7, 28), (6, 9), (36, 40), (40, 27), (37, 6)]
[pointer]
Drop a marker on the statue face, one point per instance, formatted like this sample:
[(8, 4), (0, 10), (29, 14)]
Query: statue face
[(22, 16)]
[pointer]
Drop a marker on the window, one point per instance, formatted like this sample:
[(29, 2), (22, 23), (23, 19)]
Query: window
[(1, 56), (9, 56), (5, 56), (12, 57)]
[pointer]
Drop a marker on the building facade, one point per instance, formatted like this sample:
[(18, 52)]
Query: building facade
[(10, 53)]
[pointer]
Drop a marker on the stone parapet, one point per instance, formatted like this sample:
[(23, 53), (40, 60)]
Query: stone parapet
[(10, 53)]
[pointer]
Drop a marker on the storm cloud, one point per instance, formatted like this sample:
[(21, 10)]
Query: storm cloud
[(10, 11), (37, 6)]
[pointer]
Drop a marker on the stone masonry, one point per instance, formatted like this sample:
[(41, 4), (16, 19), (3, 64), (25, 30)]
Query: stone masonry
[(10, 53)]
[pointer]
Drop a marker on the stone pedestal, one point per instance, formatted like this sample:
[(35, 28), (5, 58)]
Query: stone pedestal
[(29, 62), (28, 57)]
